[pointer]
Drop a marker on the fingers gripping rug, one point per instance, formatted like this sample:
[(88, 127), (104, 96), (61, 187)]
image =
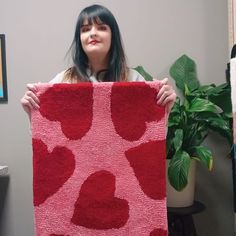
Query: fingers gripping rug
[(99, 160)]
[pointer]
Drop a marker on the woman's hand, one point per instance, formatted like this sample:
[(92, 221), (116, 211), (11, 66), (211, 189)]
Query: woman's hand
[(166, 95), (30, 100)]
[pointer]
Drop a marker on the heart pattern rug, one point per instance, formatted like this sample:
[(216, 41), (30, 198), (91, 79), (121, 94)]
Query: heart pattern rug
[(99, 160)]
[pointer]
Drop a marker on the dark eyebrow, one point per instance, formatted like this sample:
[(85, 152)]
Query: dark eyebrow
[(85, 25), (93, 23)]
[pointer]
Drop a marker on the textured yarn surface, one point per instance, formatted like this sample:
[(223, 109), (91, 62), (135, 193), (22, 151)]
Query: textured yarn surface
[(99, 160)]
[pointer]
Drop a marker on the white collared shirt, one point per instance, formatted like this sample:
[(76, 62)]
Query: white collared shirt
[(133, 76)]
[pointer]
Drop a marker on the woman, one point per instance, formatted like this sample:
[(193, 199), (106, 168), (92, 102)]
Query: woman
[(98, 56)]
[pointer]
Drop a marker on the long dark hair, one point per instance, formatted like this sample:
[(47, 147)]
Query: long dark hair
[(117, 67)]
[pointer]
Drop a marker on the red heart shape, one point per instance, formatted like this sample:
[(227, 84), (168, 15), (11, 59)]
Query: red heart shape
[(96, 207), (137, 96), (159, 232), (77, 113), (148, 162), (51, 170)]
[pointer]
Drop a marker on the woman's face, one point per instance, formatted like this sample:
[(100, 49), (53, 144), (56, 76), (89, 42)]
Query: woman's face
[(95, 38)]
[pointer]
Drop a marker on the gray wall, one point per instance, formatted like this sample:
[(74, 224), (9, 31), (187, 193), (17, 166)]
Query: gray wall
[(38, 35)]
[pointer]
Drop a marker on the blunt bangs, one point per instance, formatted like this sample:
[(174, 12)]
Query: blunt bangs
[(96, 14)]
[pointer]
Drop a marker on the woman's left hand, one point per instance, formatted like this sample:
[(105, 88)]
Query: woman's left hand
[(166, 95)]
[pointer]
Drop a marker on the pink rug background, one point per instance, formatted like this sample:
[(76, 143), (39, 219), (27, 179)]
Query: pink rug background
[(107, 139)]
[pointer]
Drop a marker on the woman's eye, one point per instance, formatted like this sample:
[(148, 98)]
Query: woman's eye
[(102, 27), (85, 29)]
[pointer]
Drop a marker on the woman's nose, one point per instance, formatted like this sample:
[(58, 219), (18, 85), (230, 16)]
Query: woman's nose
[(93, 31)]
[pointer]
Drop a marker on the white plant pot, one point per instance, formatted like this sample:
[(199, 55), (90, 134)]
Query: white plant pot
[(185, 197)]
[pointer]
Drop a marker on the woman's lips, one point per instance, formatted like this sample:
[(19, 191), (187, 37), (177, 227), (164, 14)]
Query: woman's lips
[(93, 42)]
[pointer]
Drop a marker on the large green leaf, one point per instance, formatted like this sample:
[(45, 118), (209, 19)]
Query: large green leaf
[(145, 75), (203, 155), (193, 135), (221, 96), (222, 100), (178, 139), (203, 105), (218, 123), (222, 88), (178, 170), (221, 126), (206, 89), (176, 114), (183, 71), (174, 120)]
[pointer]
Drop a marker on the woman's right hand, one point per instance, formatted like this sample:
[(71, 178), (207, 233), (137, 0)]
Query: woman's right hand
[(30, 100)]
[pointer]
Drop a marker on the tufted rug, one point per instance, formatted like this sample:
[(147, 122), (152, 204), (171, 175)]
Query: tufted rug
[(99, 160)]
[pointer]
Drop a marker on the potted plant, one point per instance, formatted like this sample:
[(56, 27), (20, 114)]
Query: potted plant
[(198, 110)]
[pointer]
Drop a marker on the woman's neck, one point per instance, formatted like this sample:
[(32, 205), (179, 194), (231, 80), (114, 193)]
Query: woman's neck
[(98, 64)]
